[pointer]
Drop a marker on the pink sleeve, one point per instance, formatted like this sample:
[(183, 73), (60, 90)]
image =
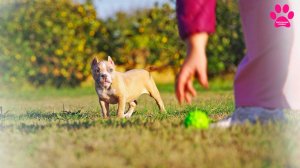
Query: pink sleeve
[(195, 16)]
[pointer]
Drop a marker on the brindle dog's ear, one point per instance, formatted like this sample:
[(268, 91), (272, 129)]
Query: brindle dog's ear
[(110, 61), (95, 61)]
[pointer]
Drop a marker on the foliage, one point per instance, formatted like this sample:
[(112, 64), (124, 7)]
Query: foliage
[(226, 46), (148, 37), (52, 41), (48, 41)]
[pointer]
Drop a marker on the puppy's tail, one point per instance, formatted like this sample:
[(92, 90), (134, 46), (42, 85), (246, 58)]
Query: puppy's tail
[(155, 68), (152, 68)]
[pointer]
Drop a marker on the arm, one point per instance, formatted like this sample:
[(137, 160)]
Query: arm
[(195, 64), (196, 18)]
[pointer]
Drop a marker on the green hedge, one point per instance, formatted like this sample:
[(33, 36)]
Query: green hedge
[(51, 42)]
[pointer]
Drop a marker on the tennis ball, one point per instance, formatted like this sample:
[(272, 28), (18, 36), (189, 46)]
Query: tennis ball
[(197, 119)]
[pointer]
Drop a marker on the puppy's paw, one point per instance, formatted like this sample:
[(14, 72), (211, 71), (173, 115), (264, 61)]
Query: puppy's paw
[(127, 115), (105, 117)]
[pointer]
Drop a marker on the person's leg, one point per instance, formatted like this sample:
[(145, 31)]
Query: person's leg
[(261, 77)]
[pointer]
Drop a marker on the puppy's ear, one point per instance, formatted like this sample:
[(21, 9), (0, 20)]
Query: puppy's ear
[(95, 61), (110, 61)]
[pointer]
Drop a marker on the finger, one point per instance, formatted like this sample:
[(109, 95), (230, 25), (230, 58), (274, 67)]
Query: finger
[(180, 83), (190, 88), (178, 90), (188, 98)]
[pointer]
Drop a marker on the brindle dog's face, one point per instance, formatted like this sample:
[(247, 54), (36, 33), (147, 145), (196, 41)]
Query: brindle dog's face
[(103, 72)]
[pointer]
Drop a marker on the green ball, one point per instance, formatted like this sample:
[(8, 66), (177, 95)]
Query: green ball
[(197, 119)]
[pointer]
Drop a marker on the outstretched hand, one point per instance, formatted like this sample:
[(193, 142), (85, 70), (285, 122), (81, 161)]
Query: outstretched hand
[(195, 65)]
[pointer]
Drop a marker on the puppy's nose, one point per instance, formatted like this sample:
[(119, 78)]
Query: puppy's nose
[(104, 76)]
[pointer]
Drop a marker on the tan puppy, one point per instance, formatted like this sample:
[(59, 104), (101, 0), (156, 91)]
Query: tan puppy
[(119, 88)]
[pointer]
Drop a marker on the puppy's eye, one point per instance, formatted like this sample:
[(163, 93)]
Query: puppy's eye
[(97, 70), (111, 70)]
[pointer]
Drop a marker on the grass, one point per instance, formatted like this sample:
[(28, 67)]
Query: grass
[(63, 128)]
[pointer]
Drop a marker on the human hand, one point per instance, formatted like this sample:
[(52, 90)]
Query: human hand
[(195, 65)]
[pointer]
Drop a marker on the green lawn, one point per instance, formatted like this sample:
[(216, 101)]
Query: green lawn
[(63, 128)]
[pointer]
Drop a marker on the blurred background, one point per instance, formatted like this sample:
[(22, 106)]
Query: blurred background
[(52, 42)]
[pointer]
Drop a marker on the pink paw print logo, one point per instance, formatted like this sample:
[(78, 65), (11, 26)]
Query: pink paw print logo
[(282, 16)]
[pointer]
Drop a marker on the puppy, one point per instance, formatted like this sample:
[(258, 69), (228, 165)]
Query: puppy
[(119, 88)]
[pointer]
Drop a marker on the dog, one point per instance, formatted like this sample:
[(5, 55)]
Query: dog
[(113, 87)]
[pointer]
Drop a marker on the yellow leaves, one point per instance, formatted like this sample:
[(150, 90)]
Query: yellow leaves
[(44, 70), (70, 25), (176, 56), (141, 29), (48, 23), (63, 14), (164, 39), (59, 34), (18, 56), (64, 63), (86, 20), (32, 58), (80, 48), (56, 72), (80, 66), (69, 60), (88, 50), (81, 45), (96, 24), (66, 47), (56, 29), (181, 61), (79, 75), (80, 9), (59, 52), (92, 33), (65, 73)]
